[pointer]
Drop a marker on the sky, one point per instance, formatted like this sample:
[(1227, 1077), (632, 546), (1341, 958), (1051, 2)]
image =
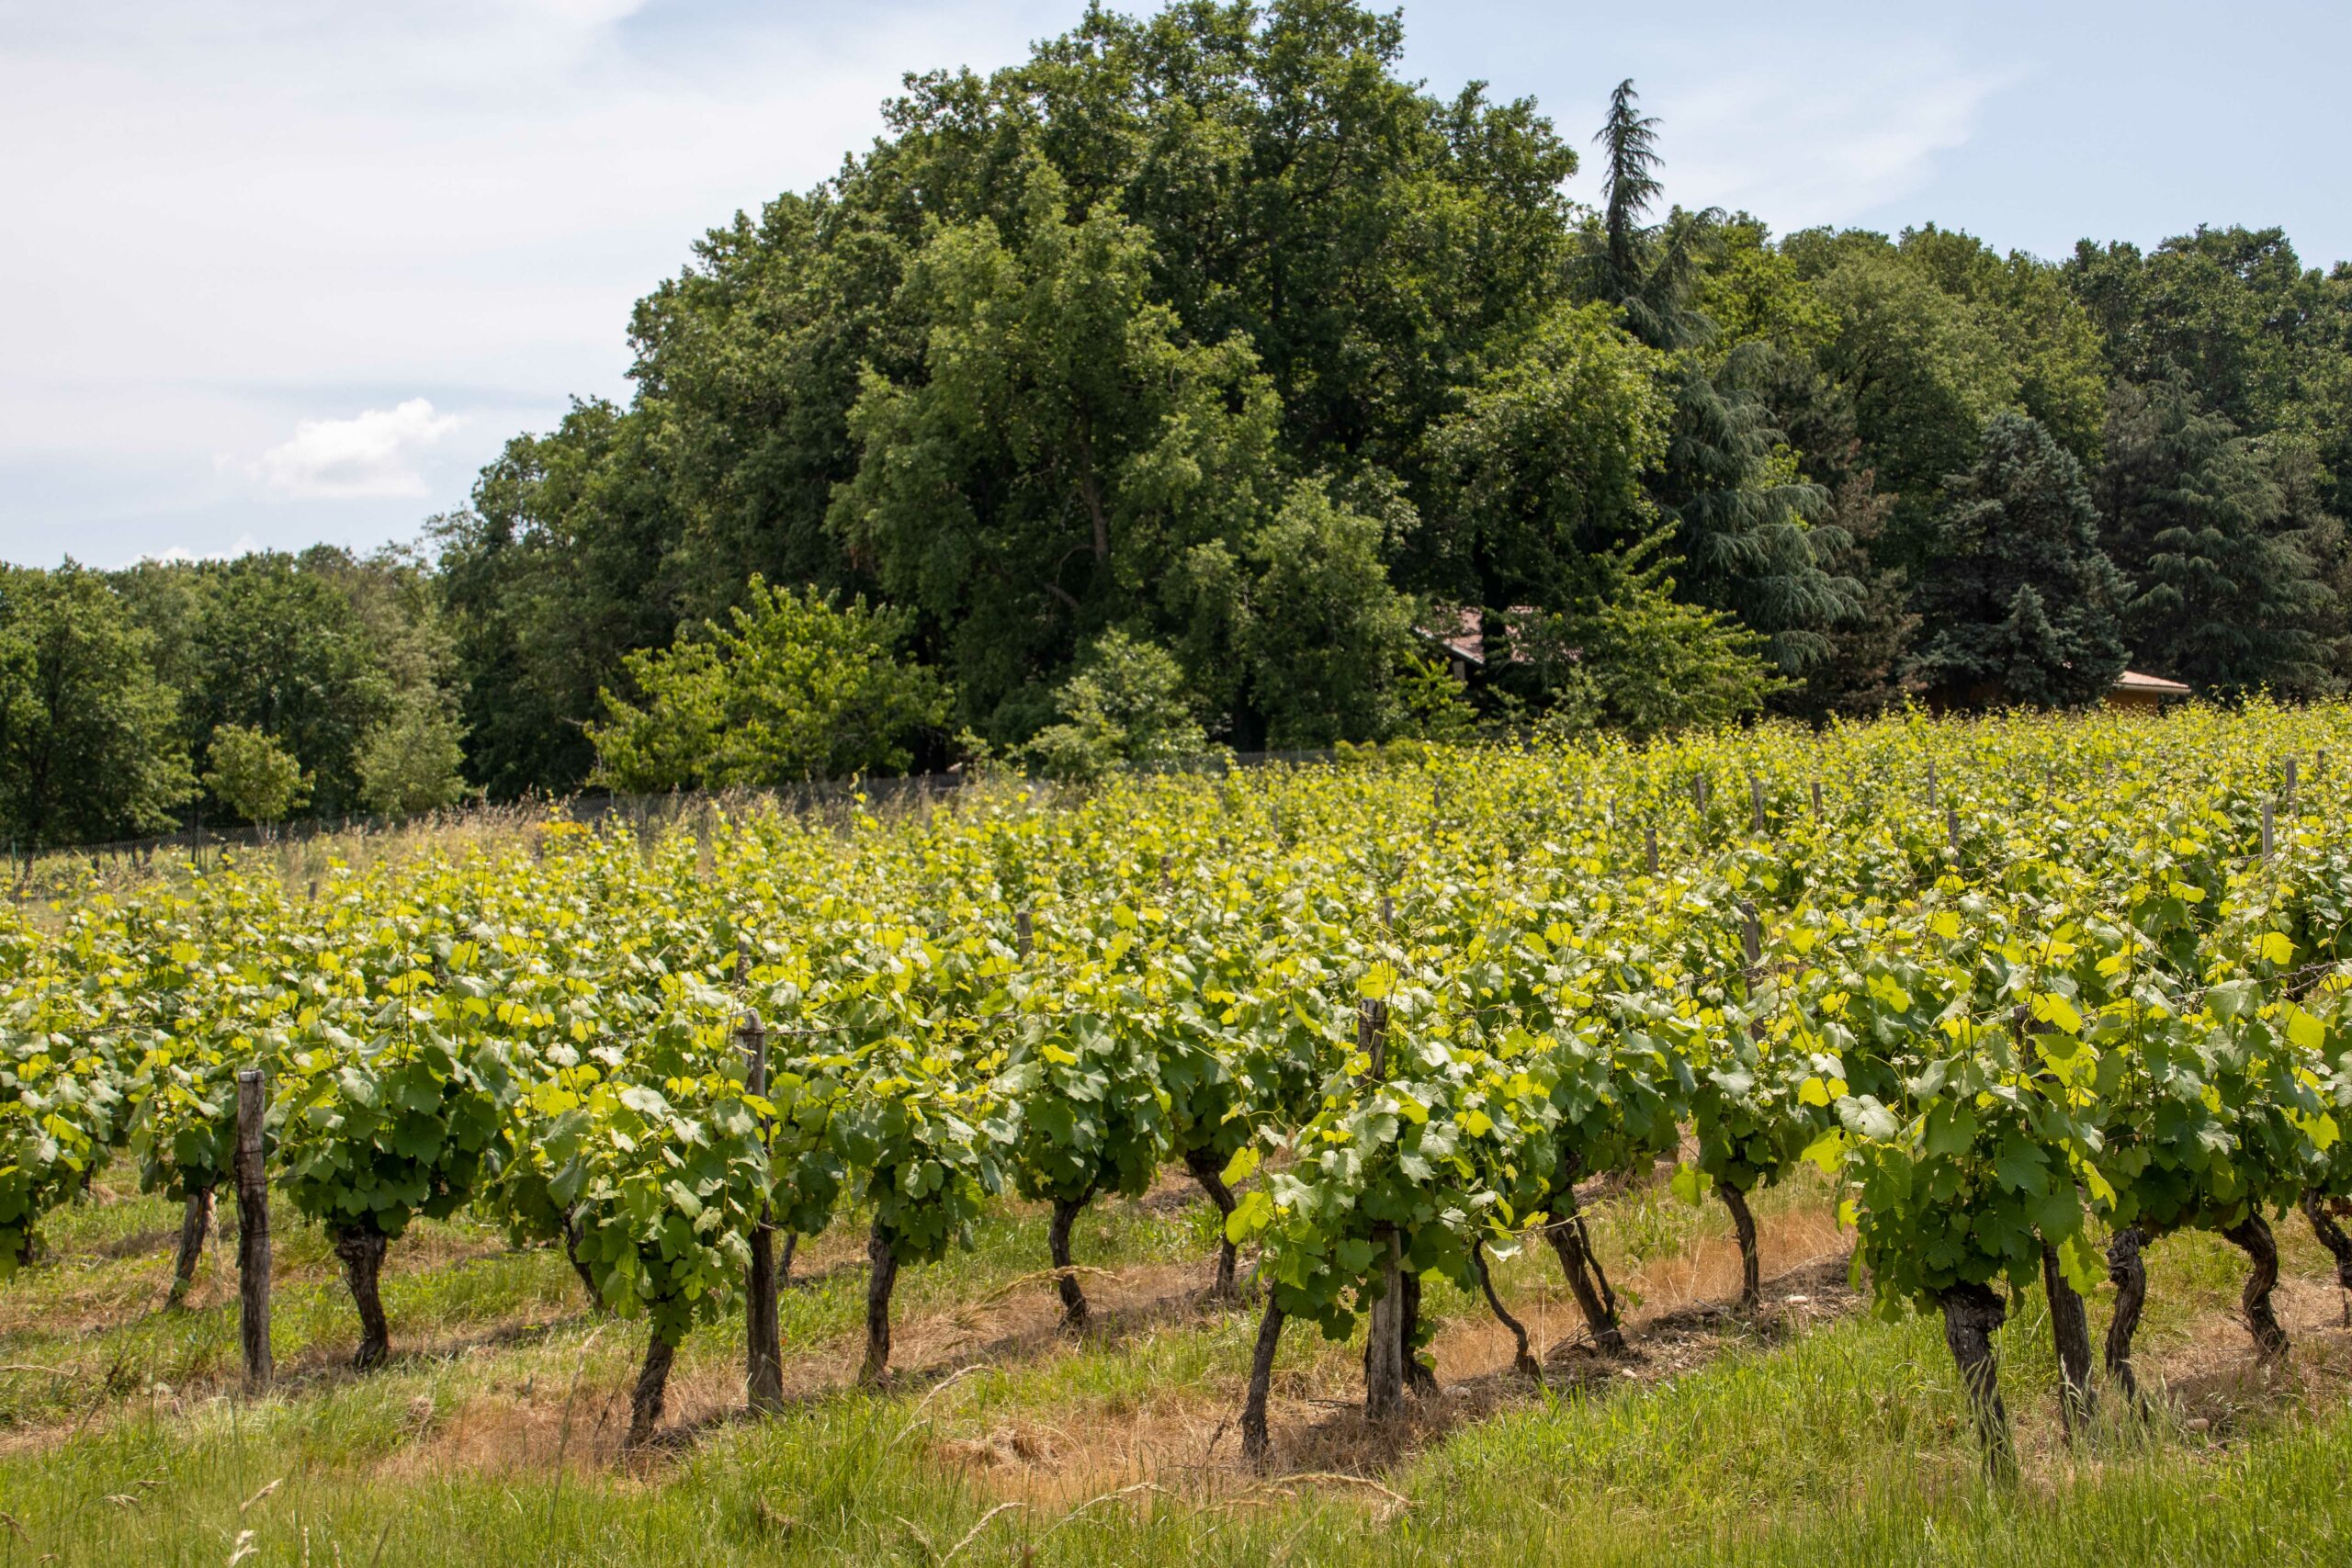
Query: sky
[(281, 272)]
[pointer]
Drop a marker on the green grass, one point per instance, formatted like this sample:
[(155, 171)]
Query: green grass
[(492, 1437)]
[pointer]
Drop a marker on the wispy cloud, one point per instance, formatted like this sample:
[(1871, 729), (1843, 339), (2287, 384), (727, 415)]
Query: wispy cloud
[(1829, 135), (377, 455)]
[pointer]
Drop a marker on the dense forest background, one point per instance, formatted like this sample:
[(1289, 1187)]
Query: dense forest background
[(1188, 384)]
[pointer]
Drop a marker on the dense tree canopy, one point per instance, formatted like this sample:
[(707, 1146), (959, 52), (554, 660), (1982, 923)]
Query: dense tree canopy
[(1211, 339)]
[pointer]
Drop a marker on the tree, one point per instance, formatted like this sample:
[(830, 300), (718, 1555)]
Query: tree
[(1543, 467), (413, 762), (254, 776), (88, 743), (2229, 599), (1125, 706), (1062, 451), (1742, 513), (1634, 658), (795, 687), (2021, 604)]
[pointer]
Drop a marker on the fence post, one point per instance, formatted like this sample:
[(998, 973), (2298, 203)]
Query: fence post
[(763, 1338), (1385, 1348), (253, 1230)]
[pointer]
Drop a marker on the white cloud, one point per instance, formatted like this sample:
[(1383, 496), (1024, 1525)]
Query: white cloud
[(375, 455), (1831, 136), (180, 554)]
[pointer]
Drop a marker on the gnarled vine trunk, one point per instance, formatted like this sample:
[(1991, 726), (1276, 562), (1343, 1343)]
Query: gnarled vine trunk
[(878, 1286), (361, 1250), (1066, 1213), (2128, 1272), (653, 1384), (2331, 1236), (196, 1224), (1203, 1166), (1971, 1313), (1570, 1240), (784, 1260), (572, 1236), (1255, 1441), (1751, 1268), (1522, 1360), (2070, 1333), (2253, 1235)]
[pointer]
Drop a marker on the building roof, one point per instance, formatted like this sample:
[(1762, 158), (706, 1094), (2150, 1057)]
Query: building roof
[(2132, 681)]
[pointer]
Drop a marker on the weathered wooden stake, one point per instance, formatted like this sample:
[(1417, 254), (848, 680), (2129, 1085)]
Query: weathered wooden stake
[(253, 1230), (2265, 830), (1025, 936), (763, 1338), (1931, 784), (1649, 836), (1817, 800), (2291, 783), (1951, 829), (1384, 1351), (1756, 802)]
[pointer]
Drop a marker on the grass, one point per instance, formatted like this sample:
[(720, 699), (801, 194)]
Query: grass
[(493, 1435)]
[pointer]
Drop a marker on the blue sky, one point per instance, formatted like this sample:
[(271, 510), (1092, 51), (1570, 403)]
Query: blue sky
[(282, 272)]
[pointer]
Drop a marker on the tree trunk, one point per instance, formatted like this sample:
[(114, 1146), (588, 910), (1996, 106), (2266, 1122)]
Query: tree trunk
[(2128, 1271), (1066, 1278), (2331, 1236), (196, 1224), (879, 1285), (653, 1383), (1383, 1347), (1586, 1282), (572, 1235), (2070, 1332), (1751, 1269), (362, 1252), (784, 1261), (1212, 1182), (1254, 1441), (1970, 1315), (2253, 1233), (1522, 1360)]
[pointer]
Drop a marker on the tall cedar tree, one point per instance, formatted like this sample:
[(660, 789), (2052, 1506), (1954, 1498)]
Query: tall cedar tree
[(2230, 598), (2021, 604), (1742, 516)]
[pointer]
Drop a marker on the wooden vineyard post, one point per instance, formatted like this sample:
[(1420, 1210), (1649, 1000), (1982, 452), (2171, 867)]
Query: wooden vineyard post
[(2289, 792), (1756, 802), (1025, 936), (1649, 836), (1931, 784), (1951, 829), (762, 1339), (253, 1230), (2265, 830), (1699, 792), (1383, 1351), (1817, 800)]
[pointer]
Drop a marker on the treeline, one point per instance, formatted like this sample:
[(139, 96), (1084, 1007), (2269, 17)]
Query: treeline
[(222, 692), (1197, 378)]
